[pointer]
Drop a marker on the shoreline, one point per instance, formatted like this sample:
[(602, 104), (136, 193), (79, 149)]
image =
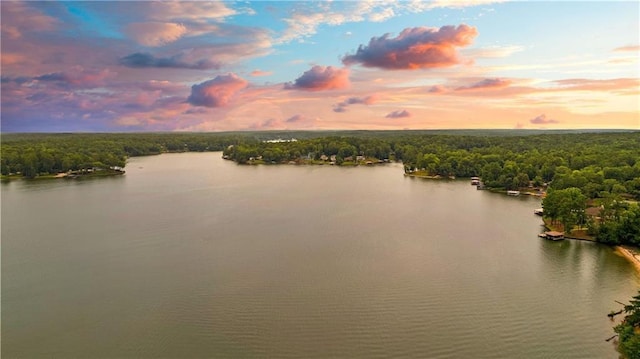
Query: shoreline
[(65, 175), (630, 254), (577, 234)]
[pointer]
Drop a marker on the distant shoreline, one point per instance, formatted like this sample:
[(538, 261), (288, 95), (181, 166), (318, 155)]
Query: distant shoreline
[(67, 175)]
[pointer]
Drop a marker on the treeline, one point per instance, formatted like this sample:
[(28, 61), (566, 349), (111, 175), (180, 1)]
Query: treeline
[(513, 162), (30, 155), (344, 148), (597, 163)]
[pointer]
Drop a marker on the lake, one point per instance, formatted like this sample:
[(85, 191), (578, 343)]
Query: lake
[(188, 255)]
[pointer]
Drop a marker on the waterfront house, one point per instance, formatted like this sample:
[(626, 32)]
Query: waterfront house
[(554, 236)]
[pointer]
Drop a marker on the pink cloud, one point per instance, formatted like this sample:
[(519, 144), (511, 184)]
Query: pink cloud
[(542, 120), (195, 111), (56, 99), (239, 43), (156, 85), (217, 92), (486, 84), (367, 100), (267, 124), (629, 85), (146, 99), (295, 118), (155, 33), (31, 106), (634, 48), (180, 33), (8, 59), (494, 51), (300, 121), (258, 73), (398, 114), (11, 32), (20, 17), (77, 76), (437, 89), (510, 88), (320, 78), (414, 48), (295, 121), (170, 115)]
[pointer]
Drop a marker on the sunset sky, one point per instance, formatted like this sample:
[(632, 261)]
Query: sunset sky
[(217, 66)]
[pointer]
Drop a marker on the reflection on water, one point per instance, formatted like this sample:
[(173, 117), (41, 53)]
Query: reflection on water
[(188, 255)]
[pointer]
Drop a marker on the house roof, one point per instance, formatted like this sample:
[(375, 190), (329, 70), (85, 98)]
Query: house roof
[(554, 234)]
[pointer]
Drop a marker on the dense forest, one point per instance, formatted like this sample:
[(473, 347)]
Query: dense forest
[(32, 155), (579, 171)]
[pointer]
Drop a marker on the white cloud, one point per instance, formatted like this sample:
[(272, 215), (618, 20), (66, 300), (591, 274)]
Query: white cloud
[(383, 15), (493, 51), (155, 33), (303, 24), (422, 5)]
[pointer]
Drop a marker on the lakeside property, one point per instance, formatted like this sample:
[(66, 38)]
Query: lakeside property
[(631, 253), (82, 173)]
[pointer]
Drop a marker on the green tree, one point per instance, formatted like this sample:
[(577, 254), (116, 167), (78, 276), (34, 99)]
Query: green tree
[(566, 205), (490, 174), (346, 151), (629, 228), (573, 205), (551, 204), (430, 162), (629, 330)]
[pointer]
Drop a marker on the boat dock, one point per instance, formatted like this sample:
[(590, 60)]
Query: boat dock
[(552, 235)]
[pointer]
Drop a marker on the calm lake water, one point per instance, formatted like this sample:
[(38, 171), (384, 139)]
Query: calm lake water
[(188, 255)]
